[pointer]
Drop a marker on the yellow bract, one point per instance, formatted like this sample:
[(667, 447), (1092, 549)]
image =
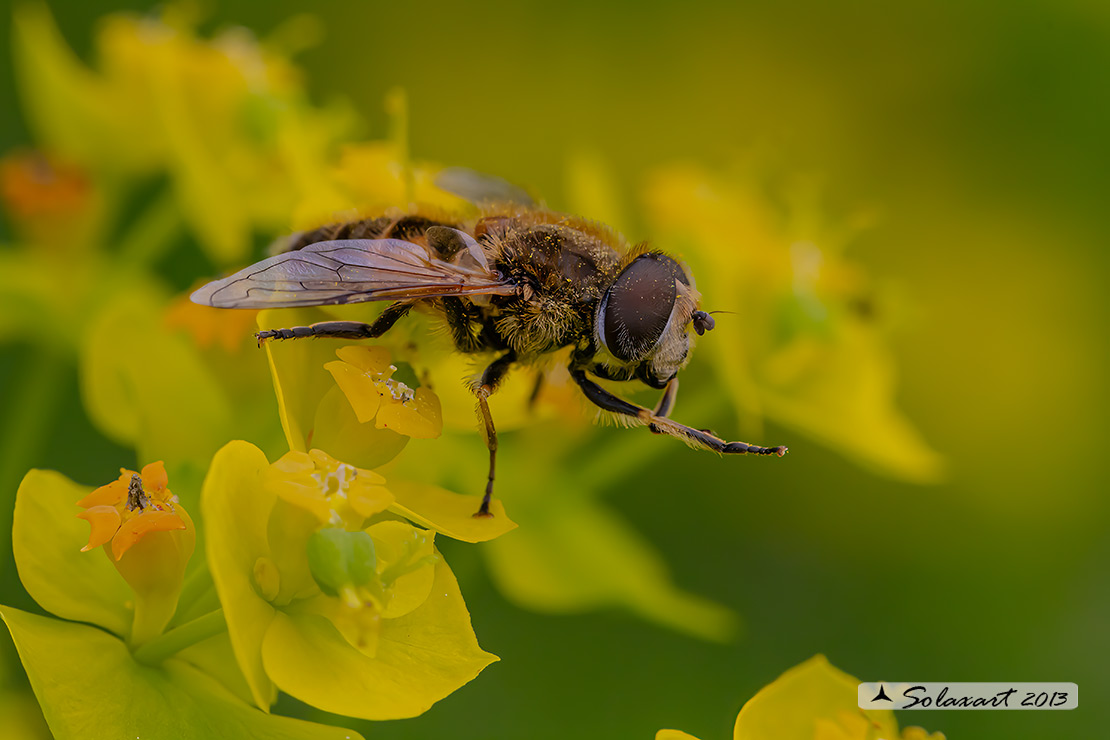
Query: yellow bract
[(805, 347), (385, 646), (815, 701), (812, 701), (224, 117)]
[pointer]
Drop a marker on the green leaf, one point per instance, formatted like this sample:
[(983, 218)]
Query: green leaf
[(421, 658), (47, 538), (89, 686), (235, 508)]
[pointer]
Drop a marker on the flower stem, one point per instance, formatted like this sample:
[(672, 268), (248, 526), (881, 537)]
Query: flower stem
[(173, 642)]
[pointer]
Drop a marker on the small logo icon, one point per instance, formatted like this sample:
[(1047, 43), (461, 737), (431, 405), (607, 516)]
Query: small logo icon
[(882, 695)]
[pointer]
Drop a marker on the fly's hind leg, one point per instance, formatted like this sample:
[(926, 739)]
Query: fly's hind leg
[(341, 329), (661, 425), (491, 378)]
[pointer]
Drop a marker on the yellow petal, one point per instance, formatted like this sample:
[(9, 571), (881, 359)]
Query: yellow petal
[(304, 495), (368, 499), (236, 507), (421, 658), (403, 549), (104, 520), (359, 388), (673, 735), (338, 430), (45, 541), (805, 698), (419, 417), (449, 513), (294, 462), (135, 528), (297, 369), (917, 733), (154, 477), (573, 554), (368, 359), (154, 567), (360, 624), (108, 495)]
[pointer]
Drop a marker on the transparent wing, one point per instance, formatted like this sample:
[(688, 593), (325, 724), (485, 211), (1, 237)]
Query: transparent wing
[(480, 188), (349, 271)]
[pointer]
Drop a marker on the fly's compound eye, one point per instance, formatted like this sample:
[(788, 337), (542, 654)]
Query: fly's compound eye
[(635, 311)]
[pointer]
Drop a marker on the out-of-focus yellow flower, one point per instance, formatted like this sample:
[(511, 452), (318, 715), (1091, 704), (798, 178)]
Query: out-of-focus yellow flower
[(359, 616), (50, 202), (804, 347), (375, 175), (210, 327), (812, 701), (226, 118)]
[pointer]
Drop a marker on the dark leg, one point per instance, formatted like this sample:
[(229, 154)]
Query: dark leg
[(491, 378), (459, 323), (692, 437), (666, 403), (537, 388), (341, 329)]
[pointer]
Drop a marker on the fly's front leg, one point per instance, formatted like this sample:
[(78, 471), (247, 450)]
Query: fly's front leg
[(341, 329), (666, 403), (491, 378), (693, 437)]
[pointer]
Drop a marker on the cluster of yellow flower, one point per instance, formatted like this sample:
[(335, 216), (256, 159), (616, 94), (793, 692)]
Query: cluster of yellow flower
[(317, 572)]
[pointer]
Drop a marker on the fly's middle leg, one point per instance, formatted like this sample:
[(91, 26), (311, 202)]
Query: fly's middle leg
[(341, 329)]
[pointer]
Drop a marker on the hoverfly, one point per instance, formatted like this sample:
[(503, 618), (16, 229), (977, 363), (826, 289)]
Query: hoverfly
[(517, 281)]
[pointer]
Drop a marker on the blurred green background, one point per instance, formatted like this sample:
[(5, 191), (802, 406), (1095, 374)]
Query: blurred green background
[(978, 133)]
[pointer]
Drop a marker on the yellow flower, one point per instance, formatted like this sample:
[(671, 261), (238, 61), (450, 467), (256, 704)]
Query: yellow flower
[(373, 176), (812, 701), (334, 492), (327, 595), (152, 538), (353, 408), (130, 507), (365, 377), (51, 202), (210, 327)]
